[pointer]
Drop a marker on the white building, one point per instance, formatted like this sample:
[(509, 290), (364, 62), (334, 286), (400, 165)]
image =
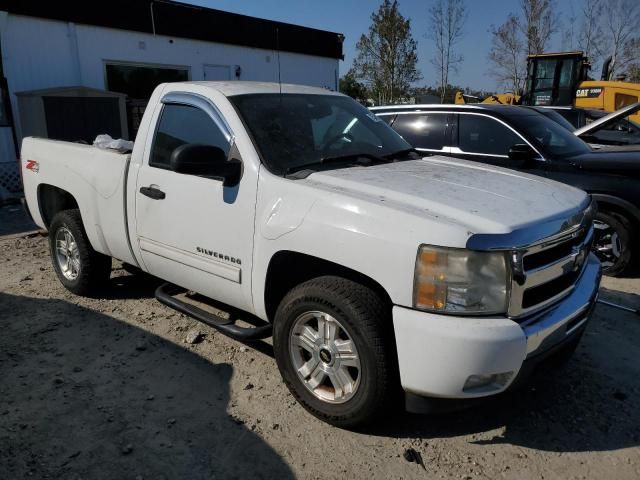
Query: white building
[(129, 46)]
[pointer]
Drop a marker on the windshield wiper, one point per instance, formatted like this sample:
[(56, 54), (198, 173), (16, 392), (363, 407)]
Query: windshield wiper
[(337, 159)]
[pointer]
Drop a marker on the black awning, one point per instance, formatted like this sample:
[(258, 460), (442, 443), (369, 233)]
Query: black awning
[(180, 20)]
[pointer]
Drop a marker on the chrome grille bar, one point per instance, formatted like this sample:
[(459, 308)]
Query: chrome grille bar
[(528, 284)]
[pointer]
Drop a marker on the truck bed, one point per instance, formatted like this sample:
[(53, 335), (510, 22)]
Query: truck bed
[(94, 177)]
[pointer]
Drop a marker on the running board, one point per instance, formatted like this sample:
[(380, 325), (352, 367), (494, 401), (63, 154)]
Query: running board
[(165, 294)]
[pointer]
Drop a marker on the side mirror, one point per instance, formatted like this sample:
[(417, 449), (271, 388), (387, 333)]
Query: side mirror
[(206, 161), (522, 153)]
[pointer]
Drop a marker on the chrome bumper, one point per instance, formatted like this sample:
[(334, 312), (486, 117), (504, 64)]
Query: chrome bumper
[(553, 326)]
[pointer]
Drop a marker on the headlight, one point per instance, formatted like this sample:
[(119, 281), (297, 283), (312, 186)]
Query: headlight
[(456, 280)]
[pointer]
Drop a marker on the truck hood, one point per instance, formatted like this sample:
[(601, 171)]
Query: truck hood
[(483, 199)]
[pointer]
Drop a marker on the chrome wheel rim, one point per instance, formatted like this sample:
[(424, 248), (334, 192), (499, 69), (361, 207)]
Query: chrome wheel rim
[(606, 244), (325, 357), (67, 254)]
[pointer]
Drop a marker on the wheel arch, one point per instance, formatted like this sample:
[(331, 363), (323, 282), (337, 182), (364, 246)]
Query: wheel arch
[(52, 200), (290, 268), (611, 203)]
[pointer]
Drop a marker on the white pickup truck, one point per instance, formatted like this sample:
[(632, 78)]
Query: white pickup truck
[(377, 269)]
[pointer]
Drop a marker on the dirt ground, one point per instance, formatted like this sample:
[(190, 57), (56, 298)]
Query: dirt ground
[(107, 387)]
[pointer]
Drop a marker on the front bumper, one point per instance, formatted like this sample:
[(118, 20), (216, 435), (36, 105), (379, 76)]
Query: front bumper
[(439, 354)]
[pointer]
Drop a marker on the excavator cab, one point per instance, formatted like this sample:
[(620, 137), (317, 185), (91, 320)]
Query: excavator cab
[(553, 78)]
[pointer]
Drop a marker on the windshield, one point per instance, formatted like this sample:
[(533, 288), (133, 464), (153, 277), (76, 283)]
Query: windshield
[(549, 136), (292, 130)]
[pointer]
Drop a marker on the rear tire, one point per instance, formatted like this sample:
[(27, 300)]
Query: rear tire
[(334, 345), (612, 243), (79, 267)]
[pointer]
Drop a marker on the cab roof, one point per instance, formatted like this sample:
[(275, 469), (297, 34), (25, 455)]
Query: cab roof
[(231, 88)]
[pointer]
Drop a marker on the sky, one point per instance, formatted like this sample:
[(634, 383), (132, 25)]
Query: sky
[(353, 18)]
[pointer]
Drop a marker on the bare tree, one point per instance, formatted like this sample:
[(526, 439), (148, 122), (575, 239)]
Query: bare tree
[(446, 22), (519, 36), (621, 18), (507, 54), (539, 23), (629, 60), (386, 58), (634, 73), (590, 33), (569, 36)]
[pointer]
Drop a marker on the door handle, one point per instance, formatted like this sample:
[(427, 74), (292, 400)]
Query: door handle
[(152, 192)]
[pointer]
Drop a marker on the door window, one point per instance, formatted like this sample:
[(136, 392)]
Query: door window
[(480, 134), (423, 130), (182, 124)]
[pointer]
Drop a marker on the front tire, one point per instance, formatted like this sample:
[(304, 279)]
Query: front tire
[(79, 267), (334, 346), (612, 243)]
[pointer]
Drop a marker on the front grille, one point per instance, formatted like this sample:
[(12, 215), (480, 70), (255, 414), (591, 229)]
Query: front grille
[(545, 257), (545, 272), (536, 295)]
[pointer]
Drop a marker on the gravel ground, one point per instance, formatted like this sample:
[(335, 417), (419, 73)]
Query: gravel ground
[(109, 388)]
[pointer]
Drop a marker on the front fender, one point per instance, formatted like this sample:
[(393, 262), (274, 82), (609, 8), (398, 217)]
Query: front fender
[(378, 242)]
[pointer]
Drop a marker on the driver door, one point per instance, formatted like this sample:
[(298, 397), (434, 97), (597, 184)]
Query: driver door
[(191, 230)]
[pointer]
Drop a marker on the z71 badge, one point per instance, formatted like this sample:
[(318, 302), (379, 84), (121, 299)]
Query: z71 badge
[(33, 166)]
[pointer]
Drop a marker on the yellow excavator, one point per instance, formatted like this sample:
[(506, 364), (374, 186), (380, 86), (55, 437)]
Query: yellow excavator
[(562, 79), (505, 98)]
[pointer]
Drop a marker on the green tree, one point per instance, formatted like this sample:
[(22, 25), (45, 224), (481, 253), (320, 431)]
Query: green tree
[(349, 85), (386, 60)]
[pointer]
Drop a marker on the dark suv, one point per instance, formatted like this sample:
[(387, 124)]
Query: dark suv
[(526, 140)]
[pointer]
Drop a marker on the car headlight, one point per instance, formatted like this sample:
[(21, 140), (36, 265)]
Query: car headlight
[(455, 280)]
